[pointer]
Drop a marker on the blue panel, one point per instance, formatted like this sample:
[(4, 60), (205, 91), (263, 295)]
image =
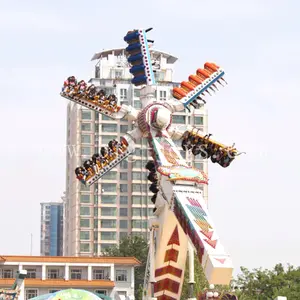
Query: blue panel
[(131, 36), (135, 58), (139, 79), (135, 69), (132, 47)]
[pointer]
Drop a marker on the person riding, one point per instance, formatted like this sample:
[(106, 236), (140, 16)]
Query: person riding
[(91, 92), (88, 165), (81, 174), (69, 83), (81, 88), (96, 162)]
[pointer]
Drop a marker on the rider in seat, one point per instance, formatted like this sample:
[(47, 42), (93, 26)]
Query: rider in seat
[(91, 92), (69, 84), (81, 174), (88, 165)]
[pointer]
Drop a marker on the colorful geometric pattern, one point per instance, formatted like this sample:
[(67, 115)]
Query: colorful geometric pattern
[(166, 284), (171, 255), (168, 270), (174, 240), (166, 147), (182, 172)]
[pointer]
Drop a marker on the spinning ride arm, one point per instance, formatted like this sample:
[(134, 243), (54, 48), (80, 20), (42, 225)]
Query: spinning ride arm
[(94, 98), (201, 144), (190, 92), (94, 168)]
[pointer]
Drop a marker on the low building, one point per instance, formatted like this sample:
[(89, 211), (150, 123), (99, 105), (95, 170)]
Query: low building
[(47, 274)]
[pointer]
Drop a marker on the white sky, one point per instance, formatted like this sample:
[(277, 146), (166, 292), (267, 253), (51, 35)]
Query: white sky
[(254, 203)]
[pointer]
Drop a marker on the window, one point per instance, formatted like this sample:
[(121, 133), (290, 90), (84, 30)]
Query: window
[(31, 273), (136, 93), (75, 274), (124, 164), (137, 104), (137, 164), (123, 235), (7, 273), (101, 292), (86, 150), (139, 175), (85, 138), (139, 200), (98, 274), (121, 275), (109, 128), (85, 211), (123, 188), (86, 115), (122, 293), (123, 224), (84, 198), (123, 212), (86, 126), (123, 200), (111, 175), (108, 223), (53, 273), (107, 138), (138, 212), (178, 119), (198, 120), (108, 211), (84, 188), (123, 94), (162, 95), (118, 74), (105, 246), (124, 128), (108, 236), (108, 199), (31, 293), (139, 224), (85, 235), (84, 247), (139, 187), (108, 187), (85, 223), (123, 176), (53, 291), (106, 118)]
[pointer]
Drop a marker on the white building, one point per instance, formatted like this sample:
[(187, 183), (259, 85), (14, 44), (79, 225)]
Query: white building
[(119, 204), (47, 274)]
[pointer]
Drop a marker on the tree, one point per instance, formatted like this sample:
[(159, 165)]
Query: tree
[(266, 284), (137, 247)]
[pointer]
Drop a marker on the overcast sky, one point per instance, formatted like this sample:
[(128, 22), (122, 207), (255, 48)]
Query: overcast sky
[(255, 203)]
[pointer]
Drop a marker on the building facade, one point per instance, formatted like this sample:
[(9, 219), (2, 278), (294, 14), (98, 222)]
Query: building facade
[(51, 229), (119, 204), (45, 274)]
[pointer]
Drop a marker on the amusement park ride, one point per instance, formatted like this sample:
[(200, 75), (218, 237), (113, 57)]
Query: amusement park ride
[(182, 223), (14, 292)]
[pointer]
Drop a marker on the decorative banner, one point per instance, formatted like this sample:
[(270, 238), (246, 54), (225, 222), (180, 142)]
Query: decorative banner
[(192, 214)]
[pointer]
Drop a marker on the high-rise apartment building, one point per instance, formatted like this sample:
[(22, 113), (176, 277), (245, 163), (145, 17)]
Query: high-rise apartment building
[(119, 204), (52, 229)]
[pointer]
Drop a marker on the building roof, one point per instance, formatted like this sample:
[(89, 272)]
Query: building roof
[(71, 259), (32, 282), (119, 51)]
